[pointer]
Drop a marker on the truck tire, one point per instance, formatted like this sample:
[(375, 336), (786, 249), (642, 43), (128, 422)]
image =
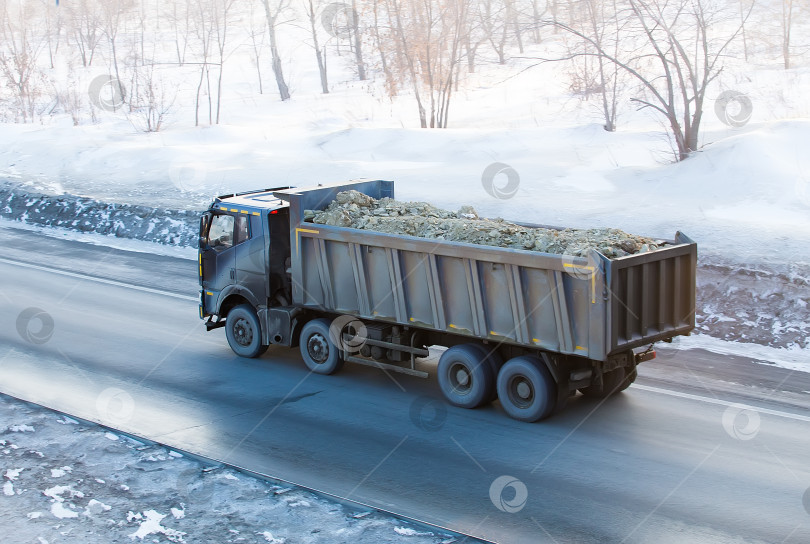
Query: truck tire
[(527, 389), (465, 376), (244, 332), (612, 382), (495, 362), (320, 354)]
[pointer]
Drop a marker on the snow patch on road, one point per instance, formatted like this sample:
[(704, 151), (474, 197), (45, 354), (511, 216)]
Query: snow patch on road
[(21, 429), (150, 525)]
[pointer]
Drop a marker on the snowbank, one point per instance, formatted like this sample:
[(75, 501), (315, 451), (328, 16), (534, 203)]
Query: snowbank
[(170, 227)]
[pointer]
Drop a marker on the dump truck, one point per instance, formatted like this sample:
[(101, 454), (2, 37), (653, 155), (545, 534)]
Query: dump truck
[(525, 328)]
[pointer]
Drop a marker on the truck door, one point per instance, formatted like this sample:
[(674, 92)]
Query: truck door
[(217, 258), (250, 257)]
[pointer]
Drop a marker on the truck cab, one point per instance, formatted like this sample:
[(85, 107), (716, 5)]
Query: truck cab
[(244, 246)]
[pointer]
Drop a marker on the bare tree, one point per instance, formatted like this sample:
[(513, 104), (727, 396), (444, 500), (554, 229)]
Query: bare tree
[(112, 14), (20, 48), (382, 38), (221, 11), (257, 34), (52, 19), (319, 55), (428, 43), (786, 24), (674, 58), (151, 102), (272, 14), (601, 21), (180, 15), (358, 48), (492, 18), (85, 20)]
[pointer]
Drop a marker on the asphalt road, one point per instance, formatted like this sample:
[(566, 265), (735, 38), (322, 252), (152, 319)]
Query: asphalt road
[(673, 459)]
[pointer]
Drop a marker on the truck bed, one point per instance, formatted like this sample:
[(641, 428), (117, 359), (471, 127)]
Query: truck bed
[(590, 307)]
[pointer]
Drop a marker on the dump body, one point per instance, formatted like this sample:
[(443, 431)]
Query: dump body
[(591, 307)]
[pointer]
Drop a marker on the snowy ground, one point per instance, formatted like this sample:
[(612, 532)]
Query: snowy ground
[(745, 198), (65, 481)]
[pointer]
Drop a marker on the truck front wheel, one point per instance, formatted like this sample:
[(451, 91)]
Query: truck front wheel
[(244, 332), (319, 352), (526, 389)]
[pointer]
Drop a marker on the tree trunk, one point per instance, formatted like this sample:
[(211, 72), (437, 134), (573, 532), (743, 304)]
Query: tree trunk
[(358, 50), (318, 54), (283, 89)]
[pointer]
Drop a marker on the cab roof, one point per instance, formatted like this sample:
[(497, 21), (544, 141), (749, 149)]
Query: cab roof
[(253, 201)]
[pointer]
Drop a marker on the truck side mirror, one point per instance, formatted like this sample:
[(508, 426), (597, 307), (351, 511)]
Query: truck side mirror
[(205, 222)]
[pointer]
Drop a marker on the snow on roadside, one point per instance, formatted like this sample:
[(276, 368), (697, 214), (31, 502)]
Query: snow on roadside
[(170, 227), (793, 358), (127, 491)]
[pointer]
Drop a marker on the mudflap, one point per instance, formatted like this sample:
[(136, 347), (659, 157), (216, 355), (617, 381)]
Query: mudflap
[(560, 378)]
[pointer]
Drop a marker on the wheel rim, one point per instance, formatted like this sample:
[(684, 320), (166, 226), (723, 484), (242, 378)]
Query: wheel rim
[(521, 392), (243, 332), (461, 378), (318, 348)]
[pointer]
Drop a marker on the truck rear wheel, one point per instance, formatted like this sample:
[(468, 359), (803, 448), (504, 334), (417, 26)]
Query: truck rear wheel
[(319, 352), (244, 332), (527, 389), (465, 376), (495, 362)]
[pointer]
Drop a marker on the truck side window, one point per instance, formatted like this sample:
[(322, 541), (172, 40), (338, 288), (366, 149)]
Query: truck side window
[(241, 233), (220, 234)]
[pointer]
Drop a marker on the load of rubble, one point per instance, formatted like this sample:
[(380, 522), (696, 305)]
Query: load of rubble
[(359, 211)]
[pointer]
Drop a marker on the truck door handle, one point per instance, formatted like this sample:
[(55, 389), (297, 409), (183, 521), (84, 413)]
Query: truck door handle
[(232, 274)]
